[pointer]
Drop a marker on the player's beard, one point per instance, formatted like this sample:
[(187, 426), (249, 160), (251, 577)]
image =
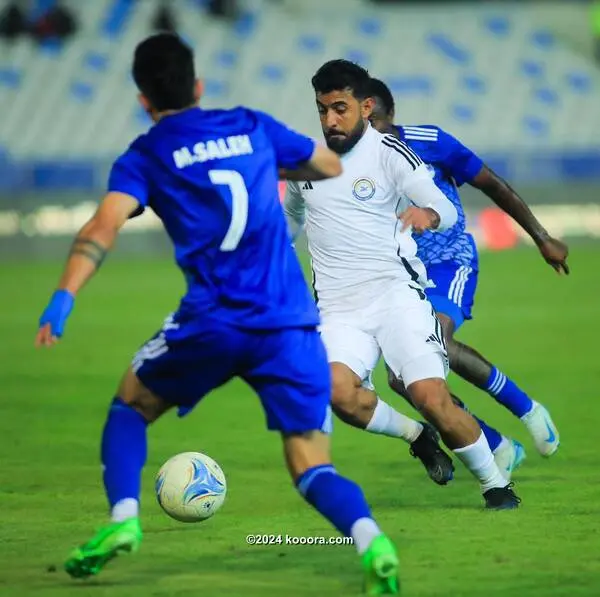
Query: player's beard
[(343, 144)]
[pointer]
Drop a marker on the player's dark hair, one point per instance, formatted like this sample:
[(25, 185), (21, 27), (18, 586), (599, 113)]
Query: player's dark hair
[(337, 75), (381, 93), (163, 70)]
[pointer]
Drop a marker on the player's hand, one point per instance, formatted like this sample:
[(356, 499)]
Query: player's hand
[(555, 253), (54, 318), (420, 219)]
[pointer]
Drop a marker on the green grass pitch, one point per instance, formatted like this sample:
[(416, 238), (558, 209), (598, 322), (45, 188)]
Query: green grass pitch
[(540, 329)]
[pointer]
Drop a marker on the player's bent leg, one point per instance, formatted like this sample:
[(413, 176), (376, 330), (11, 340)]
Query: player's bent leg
[(432, 399), (345, 398), (452, 303), (458, 429), (124, 443), (474, 368), (124, 448), (360, 407), (353, 354), (493, 437), (342, 502), (292, 377), (452, 299), (426, 447), (508, 453), (136, 395)]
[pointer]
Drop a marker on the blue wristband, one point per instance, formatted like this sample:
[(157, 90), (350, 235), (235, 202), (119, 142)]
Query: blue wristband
[(58, 310)]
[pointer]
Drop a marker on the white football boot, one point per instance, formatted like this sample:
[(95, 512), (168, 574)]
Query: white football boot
[(542, 430)]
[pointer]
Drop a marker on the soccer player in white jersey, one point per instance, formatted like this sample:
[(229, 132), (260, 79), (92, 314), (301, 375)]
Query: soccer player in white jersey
[(452, 265), (369, 282)]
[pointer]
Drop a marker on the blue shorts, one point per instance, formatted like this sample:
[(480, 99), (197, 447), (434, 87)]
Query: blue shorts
[(287, 368), (454, 291)]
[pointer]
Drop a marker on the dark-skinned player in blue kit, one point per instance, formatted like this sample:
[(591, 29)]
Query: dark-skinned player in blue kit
[(211, 177), (452, 264)]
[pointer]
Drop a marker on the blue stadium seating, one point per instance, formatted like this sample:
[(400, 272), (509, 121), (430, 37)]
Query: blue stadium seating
[(491, 76)]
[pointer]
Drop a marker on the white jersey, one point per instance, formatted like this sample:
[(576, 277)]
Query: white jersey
[(355, 238)]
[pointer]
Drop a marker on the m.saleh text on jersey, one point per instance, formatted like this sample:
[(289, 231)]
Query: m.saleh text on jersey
[(215, 149)]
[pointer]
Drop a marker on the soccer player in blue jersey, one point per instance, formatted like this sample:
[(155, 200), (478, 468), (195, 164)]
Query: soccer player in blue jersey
[(452, 264), (211, 177)]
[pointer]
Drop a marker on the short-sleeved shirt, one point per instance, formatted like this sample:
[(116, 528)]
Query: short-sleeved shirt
[(212, 178)]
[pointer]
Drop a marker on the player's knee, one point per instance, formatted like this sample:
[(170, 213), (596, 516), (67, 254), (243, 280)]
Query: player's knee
[(344, 386), (431, 397), (133, 393), (149, 409)]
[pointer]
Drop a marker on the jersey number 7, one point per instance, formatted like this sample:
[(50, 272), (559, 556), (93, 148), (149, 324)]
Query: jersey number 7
[(239, 205)]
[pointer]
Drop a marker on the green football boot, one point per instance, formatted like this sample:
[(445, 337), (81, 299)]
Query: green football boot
[(108, 543), (380, 564)]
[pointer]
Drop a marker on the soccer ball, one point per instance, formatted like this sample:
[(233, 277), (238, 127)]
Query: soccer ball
[(190, 487)]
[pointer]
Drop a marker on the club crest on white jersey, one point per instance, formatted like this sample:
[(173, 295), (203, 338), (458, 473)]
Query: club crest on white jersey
[(363, 189)]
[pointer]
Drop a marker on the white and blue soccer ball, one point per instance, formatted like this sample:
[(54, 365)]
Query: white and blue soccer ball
[(190, 487)]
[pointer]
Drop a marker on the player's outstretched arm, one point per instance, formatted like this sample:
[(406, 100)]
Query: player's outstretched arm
[(323, 164), (506, 198), (88, 251)]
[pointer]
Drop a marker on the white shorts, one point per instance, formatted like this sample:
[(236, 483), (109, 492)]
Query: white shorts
[(401, 324)]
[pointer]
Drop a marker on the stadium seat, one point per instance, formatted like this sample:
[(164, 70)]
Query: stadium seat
[(436, 63)]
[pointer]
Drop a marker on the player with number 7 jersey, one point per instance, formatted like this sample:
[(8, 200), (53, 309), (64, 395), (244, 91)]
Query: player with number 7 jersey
[(212, 178)]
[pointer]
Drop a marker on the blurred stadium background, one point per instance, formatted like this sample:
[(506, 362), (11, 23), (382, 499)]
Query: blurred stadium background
[(516, 81)]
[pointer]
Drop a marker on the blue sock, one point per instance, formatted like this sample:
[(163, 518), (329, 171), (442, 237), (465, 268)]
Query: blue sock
[(507, 393), (338, 499), (493, 437), (124, 449)]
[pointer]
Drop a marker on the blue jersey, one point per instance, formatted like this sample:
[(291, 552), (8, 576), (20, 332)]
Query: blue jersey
[(453, 164), (211, 177)]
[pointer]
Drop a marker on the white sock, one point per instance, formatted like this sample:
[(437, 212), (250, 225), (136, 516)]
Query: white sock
[(478, 458), (387, 421), (363, 531), (124, 509)]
